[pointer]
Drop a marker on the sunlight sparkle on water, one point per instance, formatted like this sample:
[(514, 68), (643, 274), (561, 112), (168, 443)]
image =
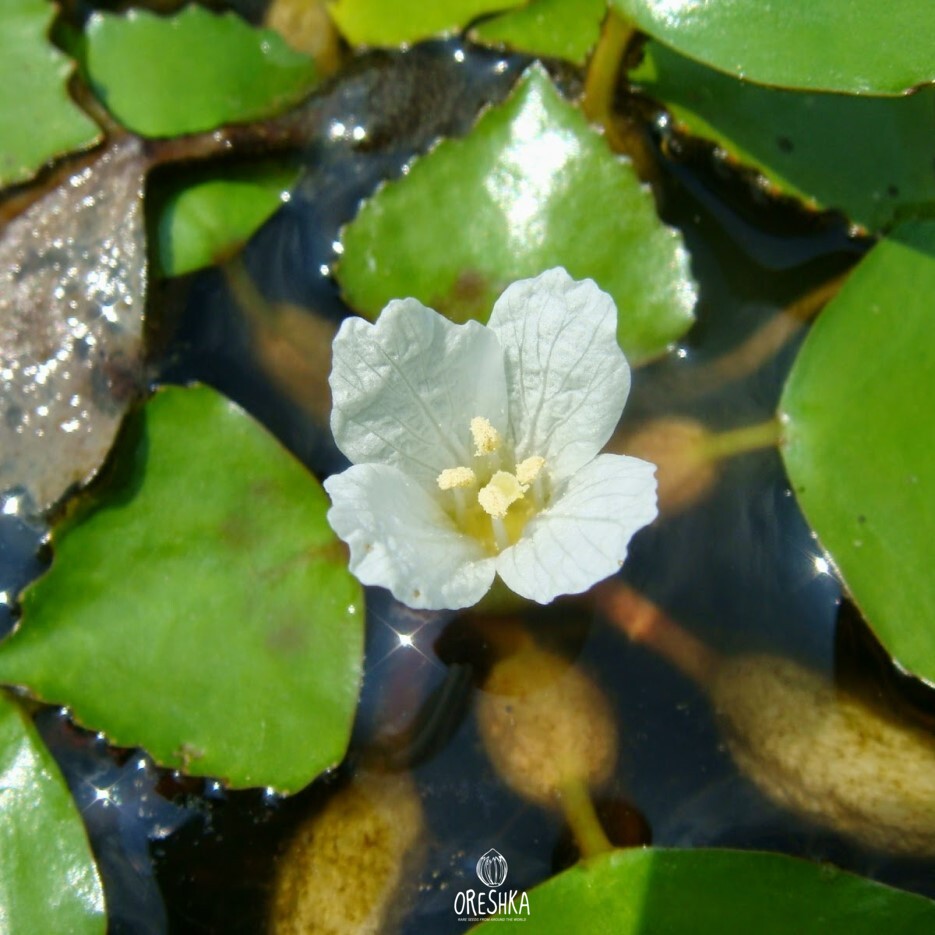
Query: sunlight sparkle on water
[(11, 506)]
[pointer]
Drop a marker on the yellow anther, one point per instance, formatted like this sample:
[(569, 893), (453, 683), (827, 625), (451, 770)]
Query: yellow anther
[(503, 490), (456, 477), (527, 471), (486, 437)]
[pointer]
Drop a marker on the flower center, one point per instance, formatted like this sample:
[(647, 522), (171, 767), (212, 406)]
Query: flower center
[(489, 503)]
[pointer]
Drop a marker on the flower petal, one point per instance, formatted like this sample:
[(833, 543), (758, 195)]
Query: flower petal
[(568, 379), (406, 388), (583, 536), (401, 539)]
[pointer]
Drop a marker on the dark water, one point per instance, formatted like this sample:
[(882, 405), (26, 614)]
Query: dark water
[(738, 569)]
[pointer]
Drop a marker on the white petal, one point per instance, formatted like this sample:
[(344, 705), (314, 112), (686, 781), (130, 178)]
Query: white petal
[(401, 539), (567, 377), (406, 388), (583, 536)]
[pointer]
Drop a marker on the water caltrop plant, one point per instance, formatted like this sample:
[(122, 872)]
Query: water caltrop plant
[(476, 448)]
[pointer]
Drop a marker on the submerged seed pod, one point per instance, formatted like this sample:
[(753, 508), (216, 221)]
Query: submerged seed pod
[(828, 755), (819, 751), (344, 866), (546, 726)]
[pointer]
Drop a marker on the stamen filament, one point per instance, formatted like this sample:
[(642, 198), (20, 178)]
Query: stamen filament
[(500, 536), (461, 503)]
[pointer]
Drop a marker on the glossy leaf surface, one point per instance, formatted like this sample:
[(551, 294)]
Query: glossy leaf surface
[(164, 76), (860, 47), (858, 439), (531, 187), (202, 609), (48, 881)]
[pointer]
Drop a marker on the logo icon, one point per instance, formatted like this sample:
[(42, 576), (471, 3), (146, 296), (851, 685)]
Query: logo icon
[(492, 868)]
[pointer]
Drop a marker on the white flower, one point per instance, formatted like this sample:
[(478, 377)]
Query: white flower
[(475, 448)]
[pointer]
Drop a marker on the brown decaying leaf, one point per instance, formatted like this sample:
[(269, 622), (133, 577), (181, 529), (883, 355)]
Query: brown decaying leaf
[(72, 289)]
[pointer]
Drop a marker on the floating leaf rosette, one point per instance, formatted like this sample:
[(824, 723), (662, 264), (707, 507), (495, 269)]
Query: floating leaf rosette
[(531, 187), (202, 609)]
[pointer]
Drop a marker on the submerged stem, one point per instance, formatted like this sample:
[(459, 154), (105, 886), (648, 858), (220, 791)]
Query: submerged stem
[(578, 808), (748, 356), (645, 623), (604, 68), (773, 334), (748, 438), (600, 88)]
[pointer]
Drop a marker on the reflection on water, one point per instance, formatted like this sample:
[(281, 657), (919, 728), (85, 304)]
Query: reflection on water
[(736, 566), (21, 538)]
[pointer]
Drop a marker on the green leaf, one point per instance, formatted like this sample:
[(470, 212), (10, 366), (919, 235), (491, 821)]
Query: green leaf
[(869, 157), (39, 119), (48, 880), (203, 609), (565, 29), (205, 220), (858, 439), (164, 76), (858, 47), (718, 892), (378, 23), (531, 187)]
